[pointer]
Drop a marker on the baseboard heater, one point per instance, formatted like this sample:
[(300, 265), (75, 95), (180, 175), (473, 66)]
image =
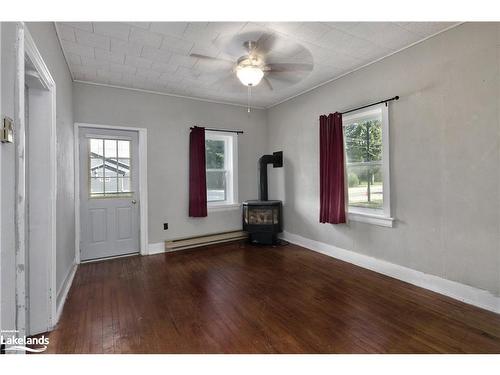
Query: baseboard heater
[(208, 239)]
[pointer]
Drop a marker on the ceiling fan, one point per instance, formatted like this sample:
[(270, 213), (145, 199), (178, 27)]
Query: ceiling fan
[(264, 57)]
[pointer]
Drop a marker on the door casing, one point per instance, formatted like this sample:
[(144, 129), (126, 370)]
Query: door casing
[(143, 183), (26, 49)]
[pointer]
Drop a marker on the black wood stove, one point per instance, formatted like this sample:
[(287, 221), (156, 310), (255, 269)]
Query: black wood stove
[(263, 219)]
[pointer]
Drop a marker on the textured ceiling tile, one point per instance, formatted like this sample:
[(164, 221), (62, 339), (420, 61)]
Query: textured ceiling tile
[(142, 25), (178, 45), (350, 45), (311, 31), (105, 55), (200, 32), (156, 55), (205, 49), (286, 28), (182, 60), (145, 37), (169, 28), (87, 61), (87, 26), (138, 62), (425, 28), (164, 68), (217, 28), (170, 77), (66, 33), (91, 39), (113, 29), (119, 46), (73, 58), (384, 34), (77, 49), (124, 69)]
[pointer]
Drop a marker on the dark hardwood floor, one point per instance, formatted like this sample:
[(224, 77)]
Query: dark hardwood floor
[(236, 298)]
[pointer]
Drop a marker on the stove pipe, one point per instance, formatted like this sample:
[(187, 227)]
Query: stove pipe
[(277, 159)]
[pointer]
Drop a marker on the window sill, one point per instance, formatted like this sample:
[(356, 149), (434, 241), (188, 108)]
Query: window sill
[(223, 207), (369, 218)]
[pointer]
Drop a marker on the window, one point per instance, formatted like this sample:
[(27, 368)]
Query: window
[(221, 167), (366, 135), (109, 168)]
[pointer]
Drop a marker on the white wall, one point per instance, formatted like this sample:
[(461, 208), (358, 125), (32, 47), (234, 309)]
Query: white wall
[(45, 38), (7, 245), (168, 119), (444, 139), (46, 41)]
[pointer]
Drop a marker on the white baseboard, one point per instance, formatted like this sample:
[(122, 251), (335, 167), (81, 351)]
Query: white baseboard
[(465, 293), (62, 294), (156, 248)]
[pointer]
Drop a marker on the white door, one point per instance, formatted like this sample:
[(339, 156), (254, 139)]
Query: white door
[(109, 193)]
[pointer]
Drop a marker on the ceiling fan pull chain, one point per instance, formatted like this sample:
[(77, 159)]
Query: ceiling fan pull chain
[(248, 98)]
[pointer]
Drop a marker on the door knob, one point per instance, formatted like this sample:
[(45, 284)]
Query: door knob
[(134, 201)]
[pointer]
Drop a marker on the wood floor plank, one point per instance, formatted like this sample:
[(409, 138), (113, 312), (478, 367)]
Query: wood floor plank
[(237, 298)]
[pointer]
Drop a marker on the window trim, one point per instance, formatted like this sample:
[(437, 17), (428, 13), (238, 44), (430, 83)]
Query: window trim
[(382, 217), (231, 166)]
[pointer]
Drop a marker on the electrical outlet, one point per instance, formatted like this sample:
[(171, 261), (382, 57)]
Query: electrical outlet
[(165, 226)]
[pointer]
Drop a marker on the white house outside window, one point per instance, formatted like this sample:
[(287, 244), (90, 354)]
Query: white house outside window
[(221, 169), (366, 140)]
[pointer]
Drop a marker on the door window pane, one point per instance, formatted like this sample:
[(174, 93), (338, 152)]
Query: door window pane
[(109, 167), (124, 184), (97, 147), (111, 185), (96, 186), (110, 146), (123, 167), (124, 149)]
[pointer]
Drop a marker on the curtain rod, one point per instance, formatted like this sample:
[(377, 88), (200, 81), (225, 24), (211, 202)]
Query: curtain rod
[(372, 104), (223, 130)]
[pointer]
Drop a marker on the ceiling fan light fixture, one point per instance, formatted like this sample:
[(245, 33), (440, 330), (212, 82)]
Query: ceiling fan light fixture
[(249, 75)]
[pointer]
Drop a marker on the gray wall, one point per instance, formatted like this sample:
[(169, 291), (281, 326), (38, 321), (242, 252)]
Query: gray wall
[(444, 141), (46, 40), (168, 120)]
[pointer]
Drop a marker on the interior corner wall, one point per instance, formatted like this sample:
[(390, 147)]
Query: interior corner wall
[(444, 151), (168, 119), (45, 37)]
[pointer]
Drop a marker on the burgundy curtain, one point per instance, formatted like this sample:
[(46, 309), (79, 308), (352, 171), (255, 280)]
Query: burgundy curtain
[(331, 169), (197, 173)]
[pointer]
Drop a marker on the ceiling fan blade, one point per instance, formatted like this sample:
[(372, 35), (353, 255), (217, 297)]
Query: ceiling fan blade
[(289, 67), (283, 77), (205, 57), (265, 43), (268, 83)]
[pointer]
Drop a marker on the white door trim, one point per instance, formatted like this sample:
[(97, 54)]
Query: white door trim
[(26, 47), (143, 183)]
